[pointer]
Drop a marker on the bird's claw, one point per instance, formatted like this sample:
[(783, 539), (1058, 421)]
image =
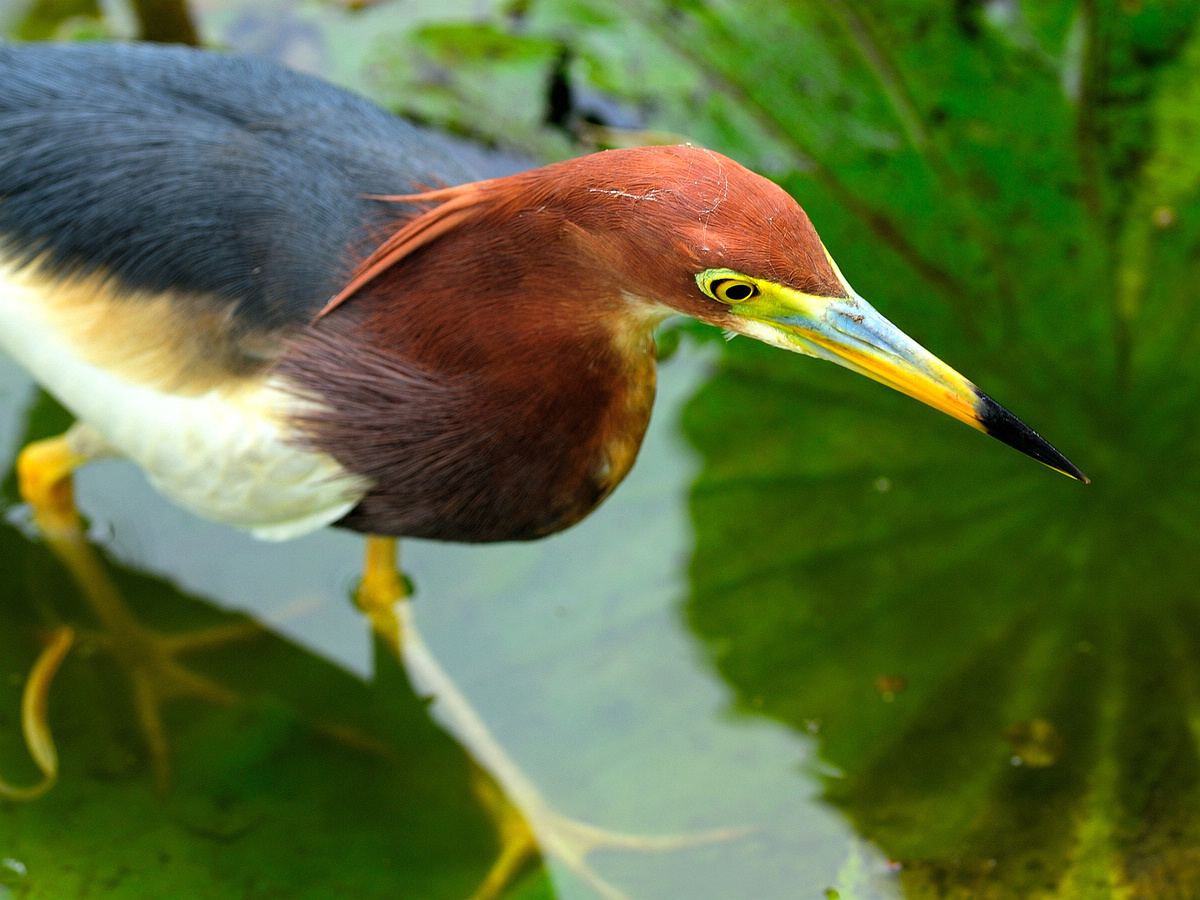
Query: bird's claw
[(527, 826), (35, 725), (539, 831), (156, 676)]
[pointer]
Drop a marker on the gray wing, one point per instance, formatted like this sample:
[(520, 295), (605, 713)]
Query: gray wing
[(231, 181)]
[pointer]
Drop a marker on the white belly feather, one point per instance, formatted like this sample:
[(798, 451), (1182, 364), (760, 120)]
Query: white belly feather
[(221, 454)]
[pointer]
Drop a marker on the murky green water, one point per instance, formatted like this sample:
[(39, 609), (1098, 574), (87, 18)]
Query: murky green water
[(882, 655)]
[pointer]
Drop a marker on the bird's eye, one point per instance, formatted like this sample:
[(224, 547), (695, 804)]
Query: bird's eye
[(731, 290), (727, 286)]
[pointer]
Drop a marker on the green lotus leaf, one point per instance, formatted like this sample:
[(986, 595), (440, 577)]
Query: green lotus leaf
[(1001, 664), (311, 783)]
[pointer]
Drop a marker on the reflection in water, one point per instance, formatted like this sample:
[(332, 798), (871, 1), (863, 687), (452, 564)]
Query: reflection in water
[(572, 653), (536, 828)]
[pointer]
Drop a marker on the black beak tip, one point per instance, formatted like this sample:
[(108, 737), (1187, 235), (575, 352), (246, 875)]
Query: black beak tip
[(1004, 426)]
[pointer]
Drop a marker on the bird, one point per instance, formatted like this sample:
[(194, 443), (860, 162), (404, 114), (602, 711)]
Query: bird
[(294, 309)]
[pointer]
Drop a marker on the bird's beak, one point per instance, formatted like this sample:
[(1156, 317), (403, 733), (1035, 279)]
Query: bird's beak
[(851, 333)]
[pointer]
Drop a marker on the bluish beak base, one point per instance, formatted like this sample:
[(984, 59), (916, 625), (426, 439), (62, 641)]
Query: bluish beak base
[(1004, 426)]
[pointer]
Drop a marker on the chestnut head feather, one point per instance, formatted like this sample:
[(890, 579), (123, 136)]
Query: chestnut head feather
[(643, 221)]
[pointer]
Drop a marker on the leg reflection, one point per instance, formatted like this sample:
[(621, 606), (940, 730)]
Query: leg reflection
[(526, 825)]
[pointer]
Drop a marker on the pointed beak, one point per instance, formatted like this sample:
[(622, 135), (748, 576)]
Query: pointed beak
[(851, 333)]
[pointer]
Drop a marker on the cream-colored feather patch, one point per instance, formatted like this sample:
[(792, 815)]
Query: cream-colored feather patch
[(181, 343), (212, 439)]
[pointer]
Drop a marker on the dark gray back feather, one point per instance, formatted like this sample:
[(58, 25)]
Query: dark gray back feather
[(227, 177)]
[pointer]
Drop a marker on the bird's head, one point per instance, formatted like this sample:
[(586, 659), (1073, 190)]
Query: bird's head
[(685, 230)]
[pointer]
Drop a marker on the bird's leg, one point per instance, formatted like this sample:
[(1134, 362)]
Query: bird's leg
[(45, 472), (44, 480), (381, 589), (527, 827)]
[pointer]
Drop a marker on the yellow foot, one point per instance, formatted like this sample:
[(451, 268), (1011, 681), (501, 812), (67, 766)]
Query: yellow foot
[(150, 661), (35, 725), (536, 831), (44, 477), (527, 827)]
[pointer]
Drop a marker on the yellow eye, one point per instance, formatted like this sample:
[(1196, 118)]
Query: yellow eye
[(727, 286), (732, 290)]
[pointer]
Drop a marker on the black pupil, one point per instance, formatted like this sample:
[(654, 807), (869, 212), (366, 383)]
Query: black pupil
[(738, 291)]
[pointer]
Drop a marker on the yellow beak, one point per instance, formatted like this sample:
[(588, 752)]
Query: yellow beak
[(851, 333)]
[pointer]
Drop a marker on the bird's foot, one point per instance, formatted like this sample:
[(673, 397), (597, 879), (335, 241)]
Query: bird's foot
[(35, 726), (527, 827), (537, 831), (44, 477), (149, 660), (156, 676)]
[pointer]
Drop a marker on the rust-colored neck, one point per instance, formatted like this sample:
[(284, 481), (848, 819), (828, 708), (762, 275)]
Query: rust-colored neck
[(499, 395)]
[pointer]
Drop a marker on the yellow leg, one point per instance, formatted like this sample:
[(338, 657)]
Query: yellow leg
[(527, 827), (382, 596), (44, 471), (44, 479), (381, 588)]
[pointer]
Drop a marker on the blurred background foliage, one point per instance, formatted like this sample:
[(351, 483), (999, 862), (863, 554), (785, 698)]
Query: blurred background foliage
[(1002, 667)]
